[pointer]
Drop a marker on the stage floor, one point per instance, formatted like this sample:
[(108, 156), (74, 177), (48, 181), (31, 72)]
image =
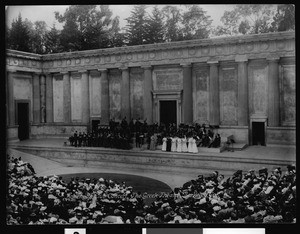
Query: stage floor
[(253, 157), (274, 152)]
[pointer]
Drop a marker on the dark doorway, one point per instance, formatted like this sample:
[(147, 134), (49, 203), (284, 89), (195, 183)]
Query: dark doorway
[(258, 133), (168, 112), (95, 124), (23, 120)]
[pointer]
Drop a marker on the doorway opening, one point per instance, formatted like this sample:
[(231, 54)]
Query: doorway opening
[(168, 112), (95, 125), (23, 120), (258, 133)]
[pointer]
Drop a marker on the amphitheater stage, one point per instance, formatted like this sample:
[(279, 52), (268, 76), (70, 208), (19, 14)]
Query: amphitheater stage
[(172, 168)]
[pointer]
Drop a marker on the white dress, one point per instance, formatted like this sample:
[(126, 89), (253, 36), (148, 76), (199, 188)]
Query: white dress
[(179, 145), (164, 145), (194, 146), (173, 146), (190, 146), (183, 145)]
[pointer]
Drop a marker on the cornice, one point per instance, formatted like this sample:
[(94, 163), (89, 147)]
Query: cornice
[(219, 49)]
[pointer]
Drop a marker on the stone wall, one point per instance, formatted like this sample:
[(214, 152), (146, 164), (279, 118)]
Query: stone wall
[(200, 99), (228, 95), (137, 93), (76, 103), (288, 94), (58, 101), (95, 94), (240, 134), (23, 90), (12, 133), (281, 135), (56, 130), (115, 94), (221, 81)]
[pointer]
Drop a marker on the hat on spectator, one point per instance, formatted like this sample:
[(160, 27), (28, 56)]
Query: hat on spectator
[(53, 219), (263, 171), (238, 172), (197, 196), (43, 208), (73, 220), (151, 217), (202, 201), (168, 208), (217, 208), (172, 214)]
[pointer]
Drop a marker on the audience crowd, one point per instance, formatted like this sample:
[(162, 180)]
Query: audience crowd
[(124, 135), (251, 197)]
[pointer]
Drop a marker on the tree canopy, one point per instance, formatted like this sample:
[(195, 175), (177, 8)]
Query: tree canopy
[(94, 27), (18, 36), (87, 27), (256, 19)]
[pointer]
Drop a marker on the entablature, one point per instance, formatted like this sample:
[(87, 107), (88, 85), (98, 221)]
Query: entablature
[(221, 49)]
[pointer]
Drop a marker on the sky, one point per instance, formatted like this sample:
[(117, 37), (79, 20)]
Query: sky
[(46, 12)]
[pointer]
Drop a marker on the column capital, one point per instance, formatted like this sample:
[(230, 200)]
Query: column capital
[(124, 68), (82, 71), (36, 74), (11, 71), (241, 58), (64, 72), (47, 74), (102, 70), (273, 59), (213, 62), (146, 67), (186, 64)]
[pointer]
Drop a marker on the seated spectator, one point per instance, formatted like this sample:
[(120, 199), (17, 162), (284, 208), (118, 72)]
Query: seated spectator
[(241, 198)]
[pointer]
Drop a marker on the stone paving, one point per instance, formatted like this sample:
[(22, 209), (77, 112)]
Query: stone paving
[(277, 152), (48, 167)]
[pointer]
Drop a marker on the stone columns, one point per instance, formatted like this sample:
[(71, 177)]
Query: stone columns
[(148, 113), (273, 92), (187, 94), (11, 100), (43, 97), (125, 94), (104, 96), (67, 97), (36, 98), (85, 97), (49, 98), (243, 106), (214, 99)]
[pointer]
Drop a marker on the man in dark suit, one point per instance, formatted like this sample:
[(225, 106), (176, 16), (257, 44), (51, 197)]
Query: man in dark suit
[(75, 139)]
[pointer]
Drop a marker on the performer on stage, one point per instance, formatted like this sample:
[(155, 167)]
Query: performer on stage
[(194, 146), (190, 145), (164, 144), (184, 145), (152, 142), (173, 146), (169, 143), (179, 145)]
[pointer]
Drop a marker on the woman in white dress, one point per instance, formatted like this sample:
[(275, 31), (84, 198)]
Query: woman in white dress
[(164, 144), (183, 145), (173, 146), (194, 146), (179, 145), (190, 146)]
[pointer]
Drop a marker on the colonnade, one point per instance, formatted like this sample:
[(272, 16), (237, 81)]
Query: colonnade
[(43, 94)]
